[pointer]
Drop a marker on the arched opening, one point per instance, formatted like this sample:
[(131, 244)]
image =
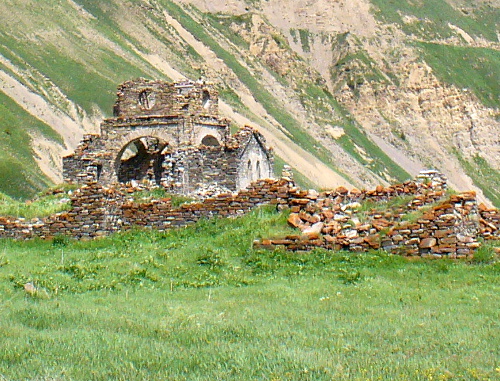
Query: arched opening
[(140, 160), (205, 99), (210, 141), (147, 99), (257, 170), (98, 171)]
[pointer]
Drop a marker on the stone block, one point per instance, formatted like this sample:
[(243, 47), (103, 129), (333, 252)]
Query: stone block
[(427, 243)]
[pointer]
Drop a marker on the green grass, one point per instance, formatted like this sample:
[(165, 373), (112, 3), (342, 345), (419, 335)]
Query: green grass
[(484, 176), (85, 71), (19, 174), (222, 23), (161, 193), (476, 69), (432, 18), (200, 304), (45, 204), (368, 206), (304, 36)]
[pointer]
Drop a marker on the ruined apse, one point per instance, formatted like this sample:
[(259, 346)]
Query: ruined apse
[(170, 135)]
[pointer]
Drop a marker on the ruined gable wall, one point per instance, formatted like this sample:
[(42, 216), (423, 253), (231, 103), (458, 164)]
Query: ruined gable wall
[(253, 164), (143, 97)]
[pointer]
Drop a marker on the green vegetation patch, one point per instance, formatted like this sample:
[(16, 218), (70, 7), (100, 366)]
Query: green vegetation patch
[(304, 36), (145, 305), (161, 193), (19, 173), (429, 19), (484, 176), (476, 69), (223, 24), (45, 204)]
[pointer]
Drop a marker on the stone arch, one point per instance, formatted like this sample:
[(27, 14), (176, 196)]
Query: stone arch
[(210, 141), (161, 133), (203, 132), (140, 159)]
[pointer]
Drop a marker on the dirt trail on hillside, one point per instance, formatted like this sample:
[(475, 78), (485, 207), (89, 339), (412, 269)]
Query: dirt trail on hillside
[(294, 155)]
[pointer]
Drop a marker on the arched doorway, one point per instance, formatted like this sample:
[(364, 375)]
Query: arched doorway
[(141, 160), (210, 141)]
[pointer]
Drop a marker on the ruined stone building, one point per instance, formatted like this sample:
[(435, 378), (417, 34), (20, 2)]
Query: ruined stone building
[(170, 134)]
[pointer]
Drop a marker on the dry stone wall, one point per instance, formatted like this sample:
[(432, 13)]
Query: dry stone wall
[(98, 211), (419, 219), (427, 224)]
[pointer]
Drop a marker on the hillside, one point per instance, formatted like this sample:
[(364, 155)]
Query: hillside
[(351, 93)]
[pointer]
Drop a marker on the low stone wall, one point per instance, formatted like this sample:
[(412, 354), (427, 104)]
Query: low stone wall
[(419, 219), (97, 211), (489, 222), (428, 224)]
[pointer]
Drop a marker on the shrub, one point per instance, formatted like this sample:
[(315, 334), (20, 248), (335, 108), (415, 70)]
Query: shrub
[(211, 258), (484, 254)]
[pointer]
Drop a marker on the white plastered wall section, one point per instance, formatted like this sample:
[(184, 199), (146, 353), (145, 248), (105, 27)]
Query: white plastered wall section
[(253, 164)]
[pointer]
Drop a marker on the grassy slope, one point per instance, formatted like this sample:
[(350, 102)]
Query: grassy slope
[(199, 303), (19, 175), (483, 175), (431, 18), (476, 69), (86, 70)]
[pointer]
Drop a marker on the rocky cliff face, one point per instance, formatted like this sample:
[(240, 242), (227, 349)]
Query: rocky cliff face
[(352, 92), (378, 71)]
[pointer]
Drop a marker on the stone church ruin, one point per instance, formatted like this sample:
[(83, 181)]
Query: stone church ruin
[(171, 135)]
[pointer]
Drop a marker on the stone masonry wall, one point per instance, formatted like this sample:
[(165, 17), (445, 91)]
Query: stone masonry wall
[(427, 224), (98, 211), (147, 97)]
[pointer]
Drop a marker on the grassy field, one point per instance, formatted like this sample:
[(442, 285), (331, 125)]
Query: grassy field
[(201, 304)]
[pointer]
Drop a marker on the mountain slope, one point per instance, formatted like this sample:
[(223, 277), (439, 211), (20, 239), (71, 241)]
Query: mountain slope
[(348, 92)]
